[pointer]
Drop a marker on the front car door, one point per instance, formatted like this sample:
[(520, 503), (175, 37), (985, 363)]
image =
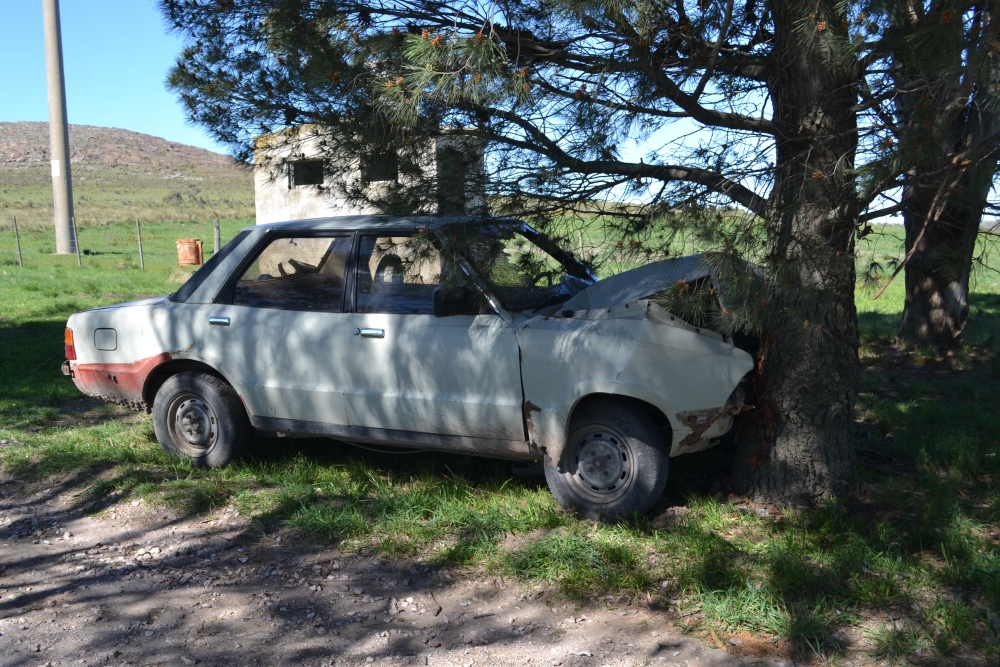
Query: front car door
[(406, 369)]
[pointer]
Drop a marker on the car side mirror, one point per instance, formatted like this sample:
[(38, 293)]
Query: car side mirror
[(455, 300)]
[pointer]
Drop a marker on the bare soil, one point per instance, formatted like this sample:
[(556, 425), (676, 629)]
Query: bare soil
[(137, 585)]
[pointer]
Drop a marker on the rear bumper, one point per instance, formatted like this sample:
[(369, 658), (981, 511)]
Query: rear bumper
[(116, 383)]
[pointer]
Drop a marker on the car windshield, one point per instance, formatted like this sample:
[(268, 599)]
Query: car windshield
[(524, 269)]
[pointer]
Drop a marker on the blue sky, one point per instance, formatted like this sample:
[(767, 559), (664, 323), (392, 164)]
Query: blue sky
[(116, 54)]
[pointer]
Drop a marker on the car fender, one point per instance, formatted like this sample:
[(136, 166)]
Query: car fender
[(637, 351), (548, 423)]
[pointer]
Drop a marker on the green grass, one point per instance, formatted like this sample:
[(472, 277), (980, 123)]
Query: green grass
[(909, 570)]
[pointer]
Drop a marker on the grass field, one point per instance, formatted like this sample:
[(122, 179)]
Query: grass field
[(910, 567), (118, 195)]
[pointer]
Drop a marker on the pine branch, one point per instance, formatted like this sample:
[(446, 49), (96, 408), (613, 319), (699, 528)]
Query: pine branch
[(541, 143)]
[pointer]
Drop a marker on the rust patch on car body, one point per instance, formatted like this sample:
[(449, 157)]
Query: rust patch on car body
[(120, 383), (526, 409), (700, 421)]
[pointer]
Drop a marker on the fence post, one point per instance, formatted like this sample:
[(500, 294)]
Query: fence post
[(218, 236), (138, 233), (76, 241), (17, 238)]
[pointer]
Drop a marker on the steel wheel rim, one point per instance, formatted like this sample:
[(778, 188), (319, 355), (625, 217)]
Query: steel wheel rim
[(601, 464), (194, 426)]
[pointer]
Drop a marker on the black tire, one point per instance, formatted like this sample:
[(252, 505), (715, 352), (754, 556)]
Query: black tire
[(614, 463), (199, 417)]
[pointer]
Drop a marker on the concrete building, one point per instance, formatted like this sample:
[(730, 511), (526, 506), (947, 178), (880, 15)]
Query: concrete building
[(298, 176)]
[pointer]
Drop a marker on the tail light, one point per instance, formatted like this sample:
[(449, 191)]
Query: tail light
[(70, 347)]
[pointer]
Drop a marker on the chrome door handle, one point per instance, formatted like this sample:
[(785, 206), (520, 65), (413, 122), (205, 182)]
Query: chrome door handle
[(217, 321), (370, 333)]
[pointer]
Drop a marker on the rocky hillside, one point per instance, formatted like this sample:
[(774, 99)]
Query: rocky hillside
[(119, 174)]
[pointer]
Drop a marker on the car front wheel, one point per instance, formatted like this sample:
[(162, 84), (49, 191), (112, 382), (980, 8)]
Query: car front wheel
[(199, 417), (614, 463)]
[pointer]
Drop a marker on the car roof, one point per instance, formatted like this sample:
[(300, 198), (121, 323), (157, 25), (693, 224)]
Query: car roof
[(364, 222)]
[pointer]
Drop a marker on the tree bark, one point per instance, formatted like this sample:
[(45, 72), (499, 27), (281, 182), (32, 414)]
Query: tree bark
[(799, 447)]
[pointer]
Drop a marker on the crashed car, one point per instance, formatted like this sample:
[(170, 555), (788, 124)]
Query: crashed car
[(479, 337)]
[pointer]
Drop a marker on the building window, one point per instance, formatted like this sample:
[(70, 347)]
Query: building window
[(381, 166), (305, 172)]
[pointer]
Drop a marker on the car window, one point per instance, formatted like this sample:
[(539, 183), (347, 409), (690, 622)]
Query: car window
[(398, 274), (514, 262), (522, 273), (300, 273)]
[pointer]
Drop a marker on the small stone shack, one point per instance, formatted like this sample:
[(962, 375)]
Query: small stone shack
[(297, 176)]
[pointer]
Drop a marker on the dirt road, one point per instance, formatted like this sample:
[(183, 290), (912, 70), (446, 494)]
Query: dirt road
[(136, 585)]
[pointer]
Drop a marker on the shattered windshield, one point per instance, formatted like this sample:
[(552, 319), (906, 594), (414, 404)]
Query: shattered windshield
[(525, 270)]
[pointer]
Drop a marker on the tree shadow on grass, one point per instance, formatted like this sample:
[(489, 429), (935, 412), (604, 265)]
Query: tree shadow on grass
[(906, 570), (807, 579), (878, 327), (911, 557), (983, 323), (32, 386)]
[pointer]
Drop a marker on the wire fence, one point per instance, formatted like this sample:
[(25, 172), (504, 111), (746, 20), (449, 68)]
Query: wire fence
[(122, 245)]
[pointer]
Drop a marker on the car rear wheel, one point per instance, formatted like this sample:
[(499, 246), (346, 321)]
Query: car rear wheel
[(199, 417), (614, 463)]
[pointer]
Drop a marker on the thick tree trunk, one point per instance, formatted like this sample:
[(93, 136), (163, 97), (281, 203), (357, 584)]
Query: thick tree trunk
[(799, 446), (936, 309), (947, 187)]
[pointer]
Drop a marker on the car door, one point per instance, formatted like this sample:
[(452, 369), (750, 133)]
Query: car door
[(407, 370), (280, 338)]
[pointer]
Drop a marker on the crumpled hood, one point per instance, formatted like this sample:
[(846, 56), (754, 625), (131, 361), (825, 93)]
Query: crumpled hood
[(639, 283)]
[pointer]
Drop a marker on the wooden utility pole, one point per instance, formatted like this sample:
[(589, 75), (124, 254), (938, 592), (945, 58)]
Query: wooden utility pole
[(62, 182)]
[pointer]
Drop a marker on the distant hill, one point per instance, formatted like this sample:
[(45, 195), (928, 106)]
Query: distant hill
[(120, 175)]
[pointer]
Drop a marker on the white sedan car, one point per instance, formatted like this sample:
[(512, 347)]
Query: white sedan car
[(446, 334)]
